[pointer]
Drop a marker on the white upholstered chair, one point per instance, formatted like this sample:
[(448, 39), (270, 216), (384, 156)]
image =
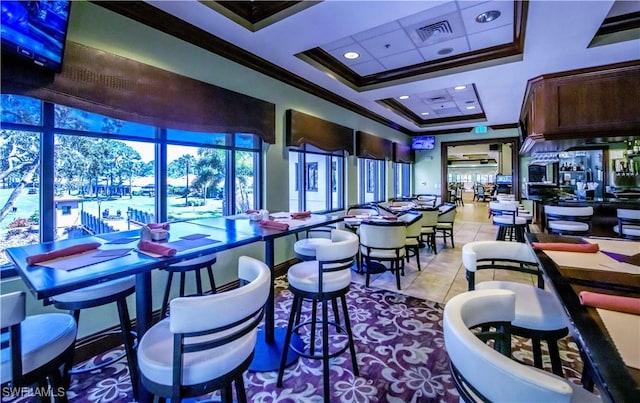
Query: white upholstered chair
[(446, 220), (539, 316), (383, 242), (628, 223), (35, 347), (428, 223), (568, 220), (414, 231), (207, 342), (480, 372), (324, 280)]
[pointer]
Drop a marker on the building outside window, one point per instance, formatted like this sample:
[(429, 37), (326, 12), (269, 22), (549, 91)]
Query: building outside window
[(371, 174), (98, 174), (316, 181), (401, 179)]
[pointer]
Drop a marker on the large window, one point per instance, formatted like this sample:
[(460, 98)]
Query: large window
[(316, 181), (371, 174), (101, 174), (401, 179)]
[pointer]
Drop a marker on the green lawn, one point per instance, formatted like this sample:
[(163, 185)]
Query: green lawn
[(27, 204)]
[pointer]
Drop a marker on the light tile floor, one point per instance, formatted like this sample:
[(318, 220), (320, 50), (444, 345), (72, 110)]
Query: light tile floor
[(442, 275)]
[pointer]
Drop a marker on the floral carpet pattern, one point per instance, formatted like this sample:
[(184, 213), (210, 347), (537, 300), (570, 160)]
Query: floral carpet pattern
[(400, 354)]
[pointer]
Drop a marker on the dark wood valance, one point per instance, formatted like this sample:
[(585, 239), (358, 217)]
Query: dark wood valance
[(104, 83), (403, 153), (302, 129), (373, 147)]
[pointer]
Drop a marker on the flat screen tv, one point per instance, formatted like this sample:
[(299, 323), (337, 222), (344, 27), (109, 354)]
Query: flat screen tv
[(503, 179), (35, 31), (423, 143)]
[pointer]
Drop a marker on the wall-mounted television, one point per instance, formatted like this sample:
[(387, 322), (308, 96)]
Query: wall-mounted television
[(503, 180), (423, 143), (35, 31)]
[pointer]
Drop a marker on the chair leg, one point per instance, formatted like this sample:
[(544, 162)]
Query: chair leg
[(68, 365), (554, 355), (182, 283), (397, 264), (336, 312), (347, 324), (165, 298), (198, 282), (418, 257), (240, 390), (212, 282), (325, 349), (537, 352), (127, 338), (451, 236), (226, 394), (287, 340), (312, 339)]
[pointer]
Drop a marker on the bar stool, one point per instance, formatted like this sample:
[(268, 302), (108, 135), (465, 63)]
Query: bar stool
[(505, 216), (115, 291), (414, 231), (305, 249), (35, 347), (189, 266), (539, 316), (324, 280), (568, 220), (628, 224)]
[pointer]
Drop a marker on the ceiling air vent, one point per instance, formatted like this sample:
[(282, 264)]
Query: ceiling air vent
[(439, 28)]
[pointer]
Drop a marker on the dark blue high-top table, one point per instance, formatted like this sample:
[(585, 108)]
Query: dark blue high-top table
[(229, 232)]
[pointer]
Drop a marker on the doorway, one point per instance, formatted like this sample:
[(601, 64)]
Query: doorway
[(481, 161)]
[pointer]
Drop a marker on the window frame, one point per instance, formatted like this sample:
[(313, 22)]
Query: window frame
[(298, 157), (371, 180)]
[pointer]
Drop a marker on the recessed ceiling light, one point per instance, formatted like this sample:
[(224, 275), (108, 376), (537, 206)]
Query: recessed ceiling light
[(471, 107), (459, 87), (424, 113), (488, 16), (351, 55), (403, 97), (445, 51)]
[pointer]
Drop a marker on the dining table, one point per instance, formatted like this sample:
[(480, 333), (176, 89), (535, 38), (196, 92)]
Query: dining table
[(609, 341), (121, 257)]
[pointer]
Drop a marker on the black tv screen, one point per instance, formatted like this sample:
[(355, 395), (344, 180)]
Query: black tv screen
[(35, 30), (423, 143)]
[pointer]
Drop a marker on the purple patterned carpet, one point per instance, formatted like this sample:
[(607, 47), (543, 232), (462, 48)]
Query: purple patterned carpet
[(400, 350)]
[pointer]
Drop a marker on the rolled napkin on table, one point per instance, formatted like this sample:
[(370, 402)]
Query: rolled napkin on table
[(250, 211), (301, 214), (157, 248), (283, 226), (164, 225), (567, 247), (71, 250), (610, 302)]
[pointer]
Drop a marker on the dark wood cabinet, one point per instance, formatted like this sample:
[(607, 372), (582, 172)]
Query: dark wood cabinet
[(587, 105)]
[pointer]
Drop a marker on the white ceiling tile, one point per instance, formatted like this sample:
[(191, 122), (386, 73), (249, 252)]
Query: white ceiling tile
[(366, 68), (506, 16), (433, 13), (408, 58), (388, 44), (354, 47), (493, 37), (458, 46), (340, 43), (377, 31)]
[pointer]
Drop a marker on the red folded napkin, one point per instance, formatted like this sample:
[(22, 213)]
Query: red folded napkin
[(157, 248), (164, 225), (301, 214), (567, 247), (610, 302), (250, 211), (274, 224), (71, 250), (390, 218), (349, 216)]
